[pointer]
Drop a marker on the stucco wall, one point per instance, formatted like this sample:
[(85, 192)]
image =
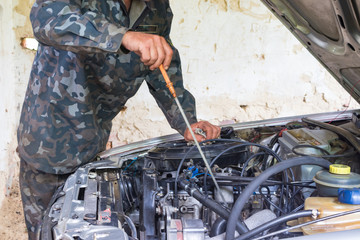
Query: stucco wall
[(15, 64), (238, 60), (241, 64)]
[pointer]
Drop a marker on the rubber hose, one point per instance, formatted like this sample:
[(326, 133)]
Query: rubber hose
[(218, 227), (249, 190), (273, 223), (131, 226), (213, 205)]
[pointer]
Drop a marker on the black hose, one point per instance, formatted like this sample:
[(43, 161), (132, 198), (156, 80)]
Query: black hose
[(176, 200), (248, 160), (131, 226), (308, 146), (243, 198), (274, 223), (304, 183), (209, 203), (269, 200), (244, 144), (218, 227)]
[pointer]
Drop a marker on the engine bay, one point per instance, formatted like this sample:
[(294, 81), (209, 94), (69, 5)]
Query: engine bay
[(273, 176)]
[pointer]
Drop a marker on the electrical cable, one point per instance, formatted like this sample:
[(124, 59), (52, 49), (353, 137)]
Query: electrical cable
[(269, 200), (243, 198), (134, 160), (224, 182), (304, 183), (248, 160), (308, 223), (269, 160), (274, 223), (176, 202), (298, 208), (244, 144), (267, 150), (292, 199), (243, 181), (171, 88), (309, 146)]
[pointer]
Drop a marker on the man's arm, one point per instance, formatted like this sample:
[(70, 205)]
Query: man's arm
[(152, 49), (165, 101), (65, 25)]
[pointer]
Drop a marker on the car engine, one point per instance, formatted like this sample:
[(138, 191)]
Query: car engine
[(273, 182)]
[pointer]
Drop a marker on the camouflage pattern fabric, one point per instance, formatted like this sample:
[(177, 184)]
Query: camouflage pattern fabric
[(37, 189), (81, 78)]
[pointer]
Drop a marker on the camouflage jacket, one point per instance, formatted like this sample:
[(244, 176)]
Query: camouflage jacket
[(81, 78)]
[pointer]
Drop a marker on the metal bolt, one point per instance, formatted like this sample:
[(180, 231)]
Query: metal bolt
[(57, 207), (314, 213), (92, 175)]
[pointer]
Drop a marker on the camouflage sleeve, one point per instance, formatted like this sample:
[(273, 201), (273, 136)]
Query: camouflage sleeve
[(65, 25), (164, 99)]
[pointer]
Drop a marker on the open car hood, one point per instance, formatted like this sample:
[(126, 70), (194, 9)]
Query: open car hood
[(330, 31)]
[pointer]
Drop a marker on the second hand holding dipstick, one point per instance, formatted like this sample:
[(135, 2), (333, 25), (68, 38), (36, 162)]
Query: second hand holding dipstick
[(171, 88)]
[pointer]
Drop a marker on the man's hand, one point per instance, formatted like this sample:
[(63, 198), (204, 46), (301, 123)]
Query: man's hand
[(152, 49), (211, 131)]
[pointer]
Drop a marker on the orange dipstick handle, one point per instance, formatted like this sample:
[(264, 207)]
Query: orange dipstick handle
[(169, 84)]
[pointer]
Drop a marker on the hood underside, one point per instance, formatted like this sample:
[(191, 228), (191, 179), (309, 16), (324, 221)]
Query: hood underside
[(330, 30)]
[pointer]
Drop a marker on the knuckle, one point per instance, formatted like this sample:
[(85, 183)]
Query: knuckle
[(146, 58)]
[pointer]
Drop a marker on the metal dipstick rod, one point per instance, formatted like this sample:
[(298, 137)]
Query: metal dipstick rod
[(171, 88)]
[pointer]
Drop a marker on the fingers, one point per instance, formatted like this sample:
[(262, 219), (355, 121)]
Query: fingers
[(210, 130), (158, 58), (152, 49), (168, 54), (149, 56), (188, 136)]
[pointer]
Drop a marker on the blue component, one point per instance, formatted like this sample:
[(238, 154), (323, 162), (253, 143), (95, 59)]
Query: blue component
[(195, 171), (349, 196)]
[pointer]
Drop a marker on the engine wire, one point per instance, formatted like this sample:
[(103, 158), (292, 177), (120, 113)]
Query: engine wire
[(269, 200), (176, 203), (269, 152), (244, 144)]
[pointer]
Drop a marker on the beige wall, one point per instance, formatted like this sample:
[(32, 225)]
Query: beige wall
[(241, 64), (238, 60), (15, 64)]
